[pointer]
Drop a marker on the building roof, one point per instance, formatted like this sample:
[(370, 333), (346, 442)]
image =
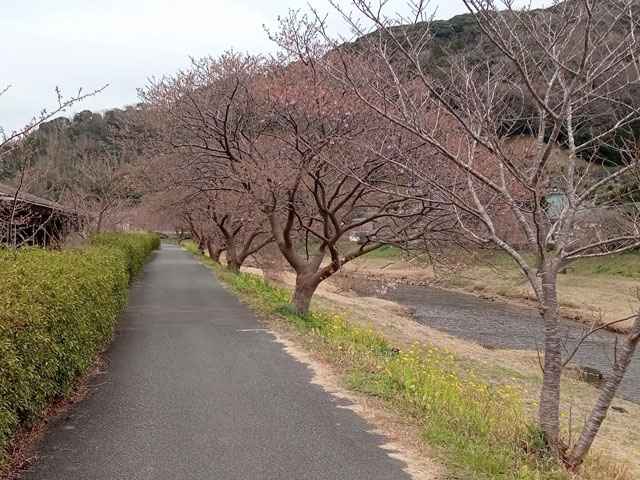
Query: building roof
[(8, 194)]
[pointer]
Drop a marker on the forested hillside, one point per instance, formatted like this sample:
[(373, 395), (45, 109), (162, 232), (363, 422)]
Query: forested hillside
[(55, 147), (83, 161), (459, 40)]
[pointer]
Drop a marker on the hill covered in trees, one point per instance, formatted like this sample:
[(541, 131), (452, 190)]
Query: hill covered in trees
[(447, 43), (55, 153), (84, 162)]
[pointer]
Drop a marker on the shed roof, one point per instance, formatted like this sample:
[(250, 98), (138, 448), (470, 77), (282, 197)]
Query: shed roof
[(8, 194)]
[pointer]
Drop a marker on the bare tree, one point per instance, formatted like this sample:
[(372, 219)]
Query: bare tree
[(564, 82), (223, 222), (26, 219), (101, 187), (14, 212)]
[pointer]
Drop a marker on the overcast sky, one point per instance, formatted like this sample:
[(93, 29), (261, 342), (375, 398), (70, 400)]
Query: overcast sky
[(85, 44)]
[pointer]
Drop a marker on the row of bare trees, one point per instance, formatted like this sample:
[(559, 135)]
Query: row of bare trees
[(336, 139), (276, 152)]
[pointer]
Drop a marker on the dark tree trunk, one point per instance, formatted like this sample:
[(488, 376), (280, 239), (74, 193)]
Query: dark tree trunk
[(99, 224), (214, 251), (233, 262), (306, 286), (599, 412), (201, 245), (233, 265)]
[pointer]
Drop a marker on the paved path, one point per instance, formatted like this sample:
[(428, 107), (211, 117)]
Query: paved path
[(191, 392)]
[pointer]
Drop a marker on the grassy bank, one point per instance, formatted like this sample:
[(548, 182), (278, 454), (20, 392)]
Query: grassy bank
[(57, 311), (474, 419), (592, 290)]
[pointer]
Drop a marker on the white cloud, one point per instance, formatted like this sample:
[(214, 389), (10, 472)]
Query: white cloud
[(74, 43)]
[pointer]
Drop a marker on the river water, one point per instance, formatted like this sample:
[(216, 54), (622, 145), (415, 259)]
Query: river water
[(500, 325)]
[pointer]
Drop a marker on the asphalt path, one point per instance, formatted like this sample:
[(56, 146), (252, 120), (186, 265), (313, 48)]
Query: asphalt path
[(196, 388)]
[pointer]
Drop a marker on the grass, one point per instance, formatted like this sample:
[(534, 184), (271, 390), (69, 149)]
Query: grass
[(625, 264), (386, 252), (476, 428)]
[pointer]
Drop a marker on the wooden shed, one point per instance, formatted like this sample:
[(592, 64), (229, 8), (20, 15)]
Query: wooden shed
[(29, 219)]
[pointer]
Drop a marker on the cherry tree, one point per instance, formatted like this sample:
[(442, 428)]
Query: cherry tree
[(324, 146), (279, 138)]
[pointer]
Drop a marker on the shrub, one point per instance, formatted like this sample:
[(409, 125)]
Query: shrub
[(136, 247), (57, 311)]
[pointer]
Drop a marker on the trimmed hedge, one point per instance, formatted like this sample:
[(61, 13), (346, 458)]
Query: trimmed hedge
[(58, 309), (136, 246)]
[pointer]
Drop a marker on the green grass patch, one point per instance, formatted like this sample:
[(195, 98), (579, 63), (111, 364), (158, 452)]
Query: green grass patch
[(385, 252), (625, 264)]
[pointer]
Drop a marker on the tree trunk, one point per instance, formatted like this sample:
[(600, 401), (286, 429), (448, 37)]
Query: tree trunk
[(214, 251), (233, 262), (303, 293), (99, 224), (549, 416), (601, 407), (201, 245)]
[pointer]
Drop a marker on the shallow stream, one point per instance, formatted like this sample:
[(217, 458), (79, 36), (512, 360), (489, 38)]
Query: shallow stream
[(495, 324)]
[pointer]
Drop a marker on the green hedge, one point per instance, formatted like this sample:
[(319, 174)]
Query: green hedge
[(136, 246), (57, 311)]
